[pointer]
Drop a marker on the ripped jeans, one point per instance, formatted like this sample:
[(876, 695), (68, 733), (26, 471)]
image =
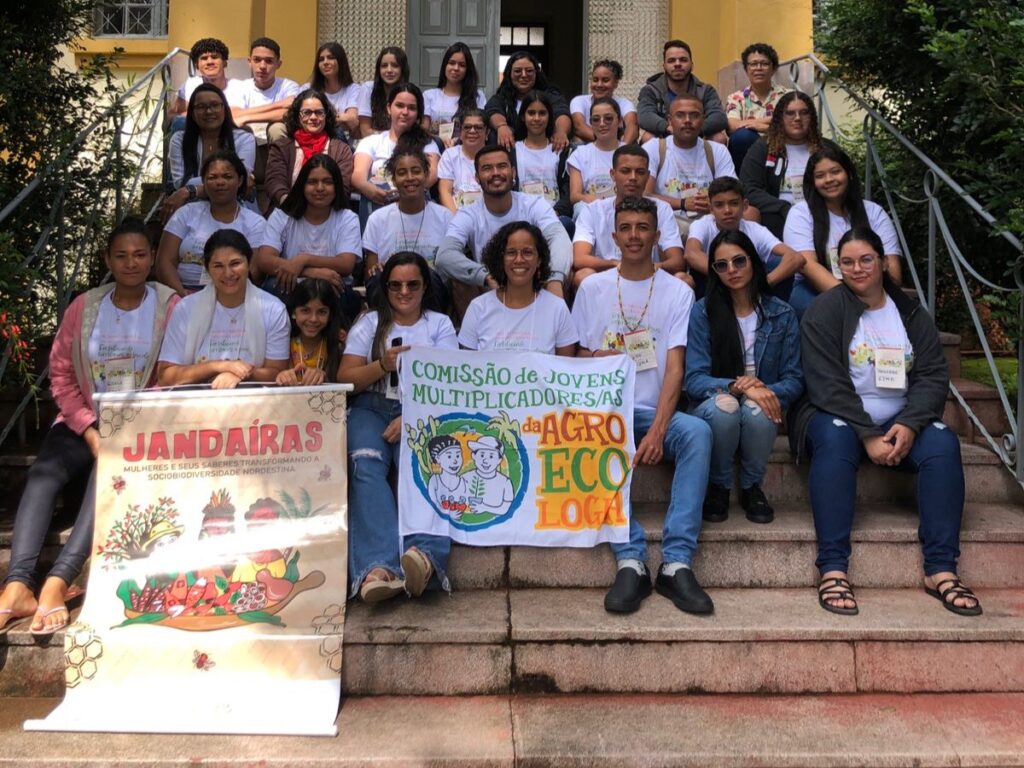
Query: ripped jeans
[(373, 540), (737, 426)]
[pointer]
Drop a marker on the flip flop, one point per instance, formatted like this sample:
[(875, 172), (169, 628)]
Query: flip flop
[(14, 621), (47, 631)]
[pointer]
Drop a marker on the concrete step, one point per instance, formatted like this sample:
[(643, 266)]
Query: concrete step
[(597, 731), (769, 641), (984, 401)]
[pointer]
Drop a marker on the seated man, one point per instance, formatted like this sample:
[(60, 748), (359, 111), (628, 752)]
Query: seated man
[(266, 97), (475, 224), (677, 80), (209, 58), (594, 248), (749, 111), (684, 166), (728, 205), (632, 309)]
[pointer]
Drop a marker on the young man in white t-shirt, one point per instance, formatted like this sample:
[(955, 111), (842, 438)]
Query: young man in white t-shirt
[(593, 247), (266, 96), (728, 205), (684, 165), (475, 224), (642, 311), (209, 58)]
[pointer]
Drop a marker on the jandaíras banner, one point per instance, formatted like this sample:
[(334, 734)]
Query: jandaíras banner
[(516, 448), (216, 594)]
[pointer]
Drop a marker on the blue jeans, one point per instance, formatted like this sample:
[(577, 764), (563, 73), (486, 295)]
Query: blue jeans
[(836, 453), (570, 225), (736, 426), (373, 540), (739, 142), (688, 444), (801, 296)]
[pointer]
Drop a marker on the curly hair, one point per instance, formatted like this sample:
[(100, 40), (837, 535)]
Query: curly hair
[(493, 256), (764, 49), (776, 137), (611, 65), (208, 45), (291, 117)]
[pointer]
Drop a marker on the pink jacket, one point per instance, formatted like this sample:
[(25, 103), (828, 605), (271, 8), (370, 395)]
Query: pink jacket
[(70, 368)]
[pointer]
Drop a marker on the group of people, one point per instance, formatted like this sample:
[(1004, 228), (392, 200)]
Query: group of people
[(521, 223)]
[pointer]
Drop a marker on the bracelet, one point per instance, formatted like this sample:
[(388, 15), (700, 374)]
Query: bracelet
[(380, 361)]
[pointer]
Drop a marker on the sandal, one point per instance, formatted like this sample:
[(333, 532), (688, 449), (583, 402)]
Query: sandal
[(376, 589), (957, 589), (46, 631), (12, 622), (418, 570), (834, 588)]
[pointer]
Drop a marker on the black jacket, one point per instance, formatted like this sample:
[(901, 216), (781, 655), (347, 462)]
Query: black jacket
[(653, 102), (762, 179)]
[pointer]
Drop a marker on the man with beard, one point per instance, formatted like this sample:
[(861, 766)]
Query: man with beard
[(677, 80)]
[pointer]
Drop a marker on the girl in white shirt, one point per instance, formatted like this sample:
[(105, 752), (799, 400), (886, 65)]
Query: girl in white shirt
[(590, 166), (455, 93), (540, 170), (390, 70), (457, 185), (332, 76), (604, 79)]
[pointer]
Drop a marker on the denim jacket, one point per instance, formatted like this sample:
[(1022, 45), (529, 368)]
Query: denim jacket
[(776, 354)]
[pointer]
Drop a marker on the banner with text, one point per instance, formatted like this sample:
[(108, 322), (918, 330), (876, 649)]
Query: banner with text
[(216, 594), (516, 448)]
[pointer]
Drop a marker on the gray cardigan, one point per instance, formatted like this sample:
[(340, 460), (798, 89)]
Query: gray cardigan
[(825, 334)]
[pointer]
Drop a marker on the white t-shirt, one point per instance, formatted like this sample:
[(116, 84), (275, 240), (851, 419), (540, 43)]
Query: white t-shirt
[(792, 187), (281, 88), (226, 338), (597, 221), (748, 335), (541, 327), (119, 344), (582, 104), (380, 147), (389, 231), (474, 225), (441, 108), (602, 321), (234, 91), (245, 148), (595, 167), (458, 168), (363, 100), (339, 234), (705, 229), (537, 171), (194, 224), (879, 328), (799, 232), (686, 171), (432, 330)]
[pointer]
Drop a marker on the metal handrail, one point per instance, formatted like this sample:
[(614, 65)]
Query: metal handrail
[(934, 177)]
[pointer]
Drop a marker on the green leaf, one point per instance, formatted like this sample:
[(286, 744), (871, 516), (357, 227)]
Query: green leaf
[(190, 579), (221, 583), (125, 590), (261, 617), (292, 571)]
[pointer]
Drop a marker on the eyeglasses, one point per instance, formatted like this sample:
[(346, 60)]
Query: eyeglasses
[(602, 119), (797, 113), (397, 286), (307, 113), (471, 127), (736, 262), (526, 253), (867, 263), (213, 106), (759, 65)]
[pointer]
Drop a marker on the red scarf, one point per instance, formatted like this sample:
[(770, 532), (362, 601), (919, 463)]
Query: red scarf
[(310, 143)]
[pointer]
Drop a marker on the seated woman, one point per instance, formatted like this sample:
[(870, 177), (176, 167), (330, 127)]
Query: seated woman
[(456, 93), (230, 331), (107, 342), (590, 166), (521, 75), (742, 371), (313, 234), (179, 260), (208, 128), (832, 205), (332, 76), (398, 322), (749, 110), (316, 335), (411, 223), (879, 388), (604, 79), (540, 168), (457, 185), (311, 130), (773, 170), (390, 70), (518, 315)]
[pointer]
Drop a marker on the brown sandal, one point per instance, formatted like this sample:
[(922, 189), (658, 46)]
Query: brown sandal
[(376, 589)]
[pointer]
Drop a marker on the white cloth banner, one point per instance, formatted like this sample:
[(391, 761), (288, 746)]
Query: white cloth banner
[(516, 448)]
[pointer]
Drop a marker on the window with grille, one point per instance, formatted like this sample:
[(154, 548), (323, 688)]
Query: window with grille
[(131, 18)]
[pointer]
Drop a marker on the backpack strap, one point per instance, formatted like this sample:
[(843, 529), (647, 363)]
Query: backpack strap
[(661, 154), (709, 154)]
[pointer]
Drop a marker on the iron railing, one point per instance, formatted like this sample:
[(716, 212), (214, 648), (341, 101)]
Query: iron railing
[(128, 134), (807, 73)]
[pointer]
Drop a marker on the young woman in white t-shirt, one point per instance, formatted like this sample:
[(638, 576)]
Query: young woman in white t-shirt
[(604, 79), (457, 185), (877, 385), (332, 76), (456, 92), (518, 315), (179, 262), (540, 171), (390, 70), (398, 322), (590, 166)]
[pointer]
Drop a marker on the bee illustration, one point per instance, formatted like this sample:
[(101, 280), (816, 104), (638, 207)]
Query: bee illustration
[(203, 661), (325, 474), (119, 484)]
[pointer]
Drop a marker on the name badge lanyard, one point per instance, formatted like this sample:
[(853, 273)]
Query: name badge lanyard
[(638, 340)]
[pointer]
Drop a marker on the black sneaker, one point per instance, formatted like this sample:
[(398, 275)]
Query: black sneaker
[(684, 591), (628, 591), (716, 504), (755, 504)]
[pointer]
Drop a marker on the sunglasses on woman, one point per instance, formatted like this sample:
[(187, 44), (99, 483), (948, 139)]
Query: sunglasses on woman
[(736, 262)]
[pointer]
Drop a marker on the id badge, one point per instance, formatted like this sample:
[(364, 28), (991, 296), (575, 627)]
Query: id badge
[(796, 187), (833, 263), (469, 197), (640, 347), (119, 374), (533, 187), (445, 131), (890, 368)]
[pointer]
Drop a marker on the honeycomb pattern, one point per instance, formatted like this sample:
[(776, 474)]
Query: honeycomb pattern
[(331, 623), (644, 23), (112, 420), (82, 649), (329, 404), (363, 28)]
